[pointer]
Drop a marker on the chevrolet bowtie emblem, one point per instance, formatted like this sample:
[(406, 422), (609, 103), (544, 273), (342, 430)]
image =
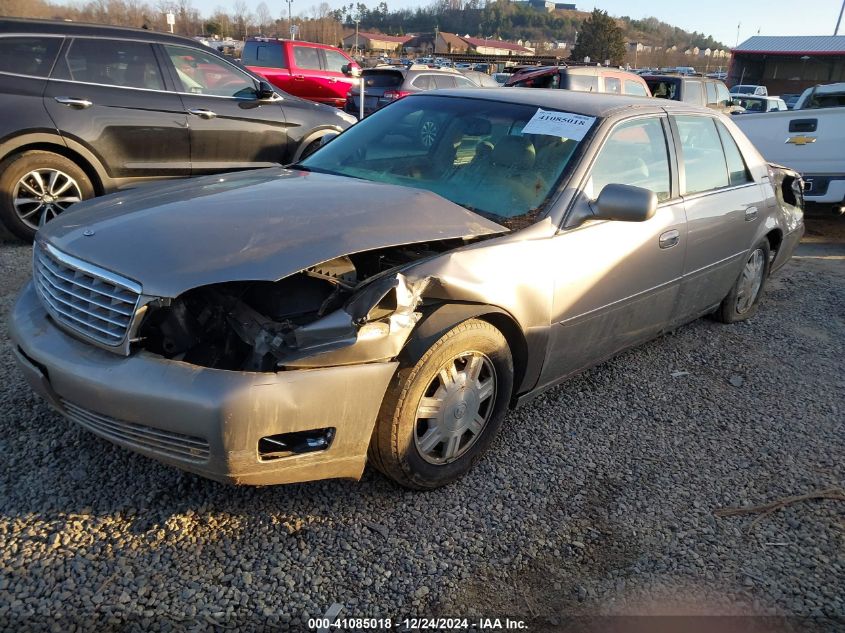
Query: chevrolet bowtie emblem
[(801, 140)]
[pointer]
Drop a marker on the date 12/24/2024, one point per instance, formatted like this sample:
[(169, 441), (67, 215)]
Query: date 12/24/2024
[(416, 624)]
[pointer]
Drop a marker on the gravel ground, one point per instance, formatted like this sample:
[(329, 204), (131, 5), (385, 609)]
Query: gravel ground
[(597, 498)]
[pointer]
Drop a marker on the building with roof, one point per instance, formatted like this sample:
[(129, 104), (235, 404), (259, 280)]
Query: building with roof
[(375, 42), (440, 42), (788, 63)]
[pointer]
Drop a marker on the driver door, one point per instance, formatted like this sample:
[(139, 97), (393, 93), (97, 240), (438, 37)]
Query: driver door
[(617, 283), (229, 127)]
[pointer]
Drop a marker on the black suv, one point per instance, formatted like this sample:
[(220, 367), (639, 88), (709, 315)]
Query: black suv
[(86, 110)]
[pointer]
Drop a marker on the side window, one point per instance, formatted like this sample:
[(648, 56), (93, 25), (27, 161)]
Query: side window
[(635, 154), (28, 55), (737, 170), (703, 157), (423, 82), (723, 95), (266, 55), (692, 92), (635, 88), (204, 74), (583, 83), (444, 81), (306, 57), (114, 63), (463, 82), (612, 85), (711, 93), (335, 61)]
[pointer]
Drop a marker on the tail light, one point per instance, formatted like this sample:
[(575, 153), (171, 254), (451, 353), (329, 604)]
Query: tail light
[(395, 94)]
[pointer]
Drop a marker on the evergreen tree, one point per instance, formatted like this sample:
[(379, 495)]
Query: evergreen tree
[(600, 39)]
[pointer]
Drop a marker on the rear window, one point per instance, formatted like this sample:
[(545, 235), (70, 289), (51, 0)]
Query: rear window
[(548, 80), (583, 83), (114, 63), (664, 88), (383, 78), (264, 54), (711, 92), (613, 85), (28, 55)]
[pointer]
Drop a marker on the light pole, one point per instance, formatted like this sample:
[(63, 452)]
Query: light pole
[(356, 35), (839, 21)]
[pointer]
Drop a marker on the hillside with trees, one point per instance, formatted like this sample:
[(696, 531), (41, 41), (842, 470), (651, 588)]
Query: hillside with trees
[(481, 18)]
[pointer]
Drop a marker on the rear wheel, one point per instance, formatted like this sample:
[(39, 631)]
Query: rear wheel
[(442, 413), (35, 187), (744, 298)]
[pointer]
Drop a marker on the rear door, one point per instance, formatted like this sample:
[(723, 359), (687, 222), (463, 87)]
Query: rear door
[(723, 205), (110, 96), (229, 127), (306, 69)]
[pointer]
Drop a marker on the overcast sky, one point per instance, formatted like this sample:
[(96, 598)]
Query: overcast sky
[(718, 18)]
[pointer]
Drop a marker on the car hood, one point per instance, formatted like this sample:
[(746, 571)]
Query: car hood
[(256, 225)]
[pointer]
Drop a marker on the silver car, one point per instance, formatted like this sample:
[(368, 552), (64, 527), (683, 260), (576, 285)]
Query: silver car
[(387, 300)]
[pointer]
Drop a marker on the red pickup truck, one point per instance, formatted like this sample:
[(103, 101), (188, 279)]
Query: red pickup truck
[(304, 69)]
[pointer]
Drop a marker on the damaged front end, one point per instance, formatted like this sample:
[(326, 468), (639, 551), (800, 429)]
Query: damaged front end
[(352, 309)]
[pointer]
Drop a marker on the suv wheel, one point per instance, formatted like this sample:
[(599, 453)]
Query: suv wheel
[(35, 187)]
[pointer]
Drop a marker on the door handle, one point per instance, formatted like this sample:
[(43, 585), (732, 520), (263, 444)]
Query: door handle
[(332, 80), (750, 213), (669, 238), (299, 77), (71, 102), (203, 113)]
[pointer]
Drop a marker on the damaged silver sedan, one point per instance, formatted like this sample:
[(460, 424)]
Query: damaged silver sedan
[(388, 299)]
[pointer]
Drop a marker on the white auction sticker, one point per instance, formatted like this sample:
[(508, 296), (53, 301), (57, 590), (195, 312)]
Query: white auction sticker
[(562, 124)]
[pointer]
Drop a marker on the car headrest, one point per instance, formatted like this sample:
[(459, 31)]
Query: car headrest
[(515, 152)]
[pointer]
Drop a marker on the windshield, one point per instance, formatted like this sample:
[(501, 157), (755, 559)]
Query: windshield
[(469, 151)]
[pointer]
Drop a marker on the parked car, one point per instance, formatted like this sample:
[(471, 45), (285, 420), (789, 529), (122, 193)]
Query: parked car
[(483, 80), (822, 96), (384, 85), (304, 69), (380, 300), (581, 78), (701, 91), (753, 103), (790, 99), (808, 141), (86, 110), (501, 78), (749, 89)]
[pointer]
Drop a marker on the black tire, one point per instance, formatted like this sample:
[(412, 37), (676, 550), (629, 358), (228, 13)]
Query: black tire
[(731, 309), (394, 448), (312, 147), (16, 168)]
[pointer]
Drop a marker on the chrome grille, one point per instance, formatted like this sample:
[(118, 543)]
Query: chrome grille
[(85, 298), (139, 436)]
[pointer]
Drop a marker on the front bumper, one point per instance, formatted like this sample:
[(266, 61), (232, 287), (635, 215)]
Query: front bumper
[(202, 420)]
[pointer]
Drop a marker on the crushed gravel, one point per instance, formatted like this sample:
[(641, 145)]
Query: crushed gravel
[(597, 498)]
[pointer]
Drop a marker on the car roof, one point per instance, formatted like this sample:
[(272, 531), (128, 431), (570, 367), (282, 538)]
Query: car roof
[(595, 104), (60, 27)]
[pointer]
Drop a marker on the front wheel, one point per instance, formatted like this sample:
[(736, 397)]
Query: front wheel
[(744, 298), (442, 413)]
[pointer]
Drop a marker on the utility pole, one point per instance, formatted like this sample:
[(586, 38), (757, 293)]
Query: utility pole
[(737, 34), (839, 21), (290, 21), (356, 37)]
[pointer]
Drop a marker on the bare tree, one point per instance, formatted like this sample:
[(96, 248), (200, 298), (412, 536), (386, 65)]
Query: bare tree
[(263, 17)]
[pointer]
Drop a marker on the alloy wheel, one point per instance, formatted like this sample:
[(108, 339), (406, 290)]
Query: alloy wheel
[(42, 194), (428, 133), (750, 281), (456, 407)]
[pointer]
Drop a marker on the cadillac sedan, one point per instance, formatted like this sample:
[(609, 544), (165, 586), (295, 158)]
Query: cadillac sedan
[(389, 300)]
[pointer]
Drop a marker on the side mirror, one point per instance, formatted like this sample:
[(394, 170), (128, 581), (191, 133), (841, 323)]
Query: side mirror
[(625, 203), (351, 70), (327, 138), (265, 91)]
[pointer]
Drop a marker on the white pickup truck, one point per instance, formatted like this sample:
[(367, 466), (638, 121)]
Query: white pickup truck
[(810, 141)]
